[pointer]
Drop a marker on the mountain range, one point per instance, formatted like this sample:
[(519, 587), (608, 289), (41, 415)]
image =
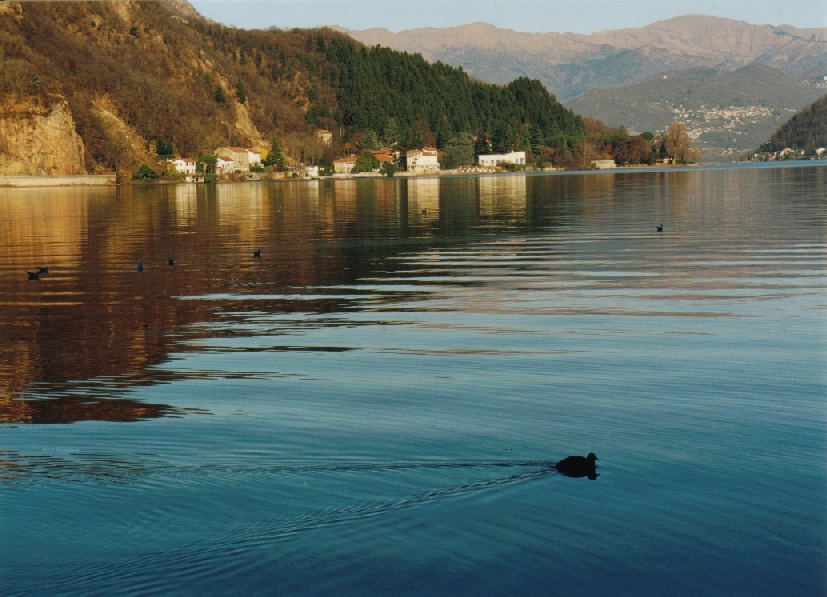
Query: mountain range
[(732, 83), (570, 64)]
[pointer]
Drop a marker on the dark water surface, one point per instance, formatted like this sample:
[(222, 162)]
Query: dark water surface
[(373, 405)]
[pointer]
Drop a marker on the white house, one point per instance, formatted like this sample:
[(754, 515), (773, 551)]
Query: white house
[(422, 161), (224, 164), (495, 159), (184, 166), (344, 165), (603, 164), (253, 157), (239, 156)]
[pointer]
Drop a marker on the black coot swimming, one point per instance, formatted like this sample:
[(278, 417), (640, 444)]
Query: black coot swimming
[(578, 466)]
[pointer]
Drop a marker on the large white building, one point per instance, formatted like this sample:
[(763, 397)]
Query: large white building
[(239, 156), (422, 161), (495, 159)]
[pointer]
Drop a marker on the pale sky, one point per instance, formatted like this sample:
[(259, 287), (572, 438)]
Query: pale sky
[(583, 16)]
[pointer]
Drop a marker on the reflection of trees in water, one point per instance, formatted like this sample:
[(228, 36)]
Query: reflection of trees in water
[(71, 409), (96, 317)]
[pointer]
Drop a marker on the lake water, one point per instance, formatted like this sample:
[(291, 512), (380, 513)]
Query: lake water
[(374, 405)]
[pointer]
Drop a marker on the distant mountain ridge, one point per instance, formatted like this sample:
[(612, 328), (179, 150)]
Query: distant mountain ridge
[(732, 83), (570, 64)]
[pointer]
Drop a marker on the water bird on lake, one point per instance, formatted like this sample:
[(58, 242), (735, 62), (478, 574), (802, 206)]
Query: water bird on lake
[(170, 261), (660, 228), (257, 253), (34, 275), (43, 270), (578, 466), (140, 266)]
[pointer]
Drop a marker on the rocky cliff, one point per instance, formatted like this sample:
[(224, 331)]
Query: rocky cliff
[(37, 140)]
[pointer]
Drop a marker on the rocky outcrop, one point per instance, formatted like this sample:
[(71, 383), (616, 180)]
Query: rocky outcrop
[(37, 140)]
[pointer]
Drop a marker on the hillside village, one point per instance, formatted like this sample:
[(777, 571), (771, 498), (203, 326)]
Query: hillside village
[(255, 163)]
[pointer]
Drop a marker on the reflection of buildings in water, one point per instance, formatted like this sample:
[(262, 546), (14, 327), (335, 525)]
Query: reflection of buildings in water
[(423, 194), (502, 194), (186, 203), (344, 198), (296, 199), (238, 202), (241, 206)]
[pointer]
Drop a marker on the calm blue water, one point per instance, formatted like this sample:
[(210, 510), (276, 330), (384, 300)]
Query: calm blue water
[(374, 405)]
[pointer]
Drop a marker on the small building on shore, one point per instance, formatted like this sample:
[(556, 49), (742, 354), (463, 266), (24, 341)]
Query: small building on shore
[(423, 161), (224, 164), (344, 165), (184, 166), (603, 164), (492, 160)]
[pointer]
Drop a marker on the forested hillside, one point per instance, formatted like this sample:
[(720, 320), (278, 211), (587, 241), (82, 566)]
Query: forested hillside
[(141, 75), (806, 131)]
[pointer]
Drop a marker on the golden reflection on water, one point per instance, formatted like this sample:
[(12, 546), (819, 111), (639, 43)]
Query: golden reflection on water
[(95, 316)]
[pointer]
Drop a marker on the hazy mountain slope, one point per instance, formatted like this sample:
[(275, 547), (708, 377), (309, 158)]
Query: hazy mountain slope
[(806, 131), (722, 110), (571, 64)]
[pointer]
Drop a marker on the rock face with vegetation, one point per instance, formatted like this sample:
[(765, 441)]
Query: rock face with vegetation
[(131, 76), (38, 140)]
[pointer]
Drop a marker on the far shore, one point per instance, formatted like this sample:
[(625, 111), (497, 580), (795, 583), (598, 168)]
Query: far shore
[(110, 179)]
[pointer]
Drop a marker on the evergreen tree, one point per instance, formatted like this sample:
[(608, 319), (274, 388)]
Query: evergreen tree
[(218, 95), (164, 149), (459, 150), (366, 162), (275, 157)]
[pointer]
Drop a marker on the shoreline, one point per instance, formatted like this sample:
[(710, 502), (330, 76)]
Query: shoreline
[(92, 180), (82, 180)]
